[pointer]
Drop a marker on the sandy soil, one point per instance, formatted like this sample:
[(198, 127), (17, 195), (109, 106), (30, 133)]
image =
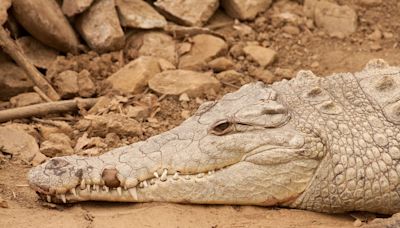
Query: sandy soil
[(330, 54)]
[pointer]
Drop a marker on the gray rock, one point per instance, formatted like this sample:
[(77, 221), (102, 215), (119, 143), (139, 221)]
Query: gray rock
[(25, 99), (66, 84), (205, 47), (20, 144), (45, 21), (188, 12), (100, 27), (176, 82), (134, 76), (73, 7), (85, 84), (38, 54), (4, 5), (153, 43), (261, 55), (339, 21), (13, 80), (139, 14), (245, 9)]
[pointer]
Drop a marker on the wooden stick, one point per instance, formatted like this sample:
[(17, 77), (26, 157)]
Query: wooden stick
[(46, 108), (16, 54)]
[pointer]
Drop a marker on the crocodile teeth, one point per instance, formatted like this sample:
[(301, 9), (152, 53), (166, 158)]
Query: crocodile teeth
[(63, 198), (152, 181), (73, 191), (119, 190), (106, 189), (200, 175), (164, 175), (133, 193), (96, 187), (156, 175), (176, 176), (187, 177), (48, 197), (145, 184), (83, 184)]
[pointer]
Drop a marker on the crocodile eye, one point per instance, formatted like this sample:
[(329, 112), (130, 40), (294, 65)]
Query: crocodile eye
[(221, 128)]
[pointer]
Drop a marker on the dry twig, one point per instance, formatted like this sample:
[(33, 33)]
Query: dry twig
[(46, 108), (15, 53)]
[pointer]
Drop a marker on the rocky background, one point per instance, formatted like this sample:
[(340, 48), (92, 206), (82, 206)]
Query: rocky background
[(144, 67)]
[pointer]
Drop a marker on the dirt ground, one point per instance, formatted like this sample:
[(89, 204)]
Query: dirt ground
[(309, 49)]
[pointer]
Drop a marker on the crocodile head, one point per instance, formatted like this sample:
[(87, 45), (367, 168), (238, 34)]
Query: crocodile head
[(243, 149)]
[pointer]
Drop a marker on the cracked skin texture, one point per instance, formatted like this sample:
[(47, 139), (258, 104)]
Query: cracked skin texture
[(323, 144)]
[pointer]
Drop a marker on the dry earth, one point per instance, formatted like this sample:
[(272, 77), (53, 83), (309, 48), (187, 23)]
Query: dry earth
[(298, 44)]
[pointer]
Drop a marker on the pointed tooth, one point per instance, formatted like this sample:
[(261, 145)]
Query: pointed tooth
[(200, 175), (96, 187), (119, 190), (48, 197), (176, 176), (106, 189), (73, 191), (83, 184), (187, 177), (164, 175), (141, 184), (152, 181), (133, 193), (156, 175), (211, 172), (145, 183), (63, 198)]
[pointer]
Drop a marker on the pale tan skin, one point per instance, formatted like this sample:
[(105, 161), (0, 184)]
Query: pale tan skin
[(323, 144)]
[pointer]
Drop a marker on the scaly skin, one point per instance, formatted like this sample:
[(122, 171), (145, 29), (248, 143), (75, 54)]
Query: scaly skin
[(323, 144)]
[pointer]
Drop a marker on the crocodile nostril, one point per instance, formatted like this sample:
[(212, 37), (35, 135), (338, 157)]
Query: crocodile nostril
[(110, 178)]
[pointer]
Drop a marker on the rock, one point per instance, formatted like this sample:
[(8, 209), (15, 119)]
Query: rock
[(4, 5), (73, 7), (221, 64), (264, 75), (152, 43), (290, 29), (261, 55), (376, 35), (176, 82), (100, 28), (113, 123), (231, 77), (139, 112), (3, 203), (38, 54), (245, 9), (21, 145), (336, 20), (45, 21), (370, 2), (205, 47), (139, 14), (57, 144), (165, 64), (188, 12), (53, 127), (52, 149), (85, 84), (66, 84), (133, 77), (25, 99), (13, 80)]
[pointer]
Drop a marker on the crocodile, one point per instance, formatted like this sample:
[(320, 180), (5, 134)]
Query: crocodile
[(326, 144)]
